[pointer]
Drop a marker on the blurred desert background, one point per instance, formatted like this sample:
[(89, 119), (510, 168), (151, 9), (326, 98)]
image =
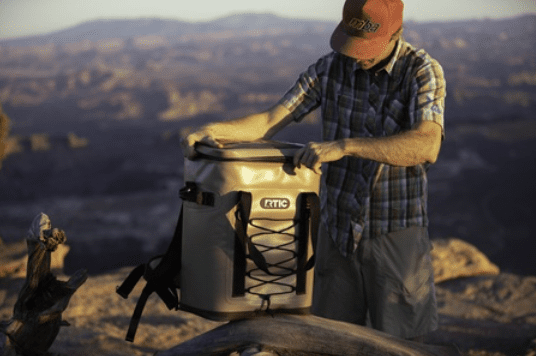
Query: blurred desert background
[(95, 113)]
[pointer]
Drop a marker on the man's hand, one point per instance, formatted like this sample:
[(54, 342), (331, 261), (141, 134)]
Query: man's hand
[(263, 125), (314, 154), (203, 135)]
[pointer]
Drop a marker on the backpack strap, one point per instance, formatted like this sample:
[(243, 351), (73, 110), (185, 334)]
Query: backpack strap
[(310, 217), (130, 282), (161, 274)]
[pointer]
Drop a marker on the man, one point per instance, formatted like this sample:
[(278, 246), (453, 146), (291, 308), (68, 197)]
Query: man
[(382, 105)]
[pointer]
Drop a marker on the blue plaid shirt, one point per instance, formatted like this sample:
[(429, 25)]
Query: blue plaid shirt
[(363, 198)]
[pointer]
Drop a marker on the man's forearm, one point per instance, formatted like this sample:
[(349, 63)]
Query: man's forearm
[(248, 128), (252, 127), (405, 149), (242, 129)]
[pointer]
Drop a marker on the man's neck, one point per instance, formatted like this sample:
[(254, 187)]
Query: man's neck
[(385, 61)]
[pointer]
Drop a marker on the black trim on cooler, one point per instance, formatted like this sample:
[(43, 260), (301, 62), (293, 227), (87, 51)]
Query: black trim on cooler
[(192, 194), (228, 316)]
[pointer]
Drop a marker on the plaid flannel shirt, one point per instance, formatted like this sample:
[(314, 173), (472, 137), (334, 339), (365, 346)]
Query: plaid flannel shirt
[(363, 198)]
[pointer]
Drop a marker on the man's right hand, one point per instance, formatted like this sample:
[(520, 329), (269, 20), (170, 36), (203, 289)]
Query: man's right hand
[(202, 135), (248, 128)]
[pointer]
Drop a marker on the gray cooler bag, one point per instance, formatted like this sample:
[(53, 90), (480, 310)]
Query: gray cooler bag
[(244, 241)]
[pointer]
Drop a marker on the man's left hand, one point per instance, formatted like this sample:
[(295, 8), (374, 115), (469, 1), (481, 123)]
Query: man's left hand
[(314, 154)]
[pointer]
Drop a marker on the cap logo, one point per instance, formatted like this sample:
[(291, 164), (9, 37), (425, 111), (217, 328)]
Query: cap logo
[(364, 25)]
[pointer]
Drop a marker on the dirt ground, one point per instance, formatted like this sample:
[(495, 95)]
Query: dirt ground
[(482, 315)]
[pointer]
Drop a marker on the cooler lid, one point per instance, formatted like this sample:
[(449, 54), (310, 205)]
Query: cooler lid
[(271, 151)]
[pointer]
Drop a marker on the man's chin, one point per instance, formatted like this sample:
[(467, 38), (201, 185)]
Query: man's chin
[(366, 67)]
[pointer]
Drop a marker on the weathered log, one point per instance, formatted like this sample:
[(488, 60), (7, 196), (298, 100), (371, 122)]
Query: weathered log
[(303, 335), (37, 313)]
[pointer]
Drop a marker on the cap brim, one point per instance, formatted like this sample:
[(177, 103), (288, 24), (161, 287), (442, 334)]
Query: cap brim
[(357, 47)]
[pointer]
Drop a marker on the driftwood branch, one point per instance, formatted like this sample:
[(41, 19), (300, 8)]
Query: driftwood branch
[(37, 313), (303, 335)]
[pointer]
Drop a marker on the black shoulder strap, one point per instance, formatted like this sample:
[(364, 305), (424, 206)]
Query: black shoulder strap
[(309, 220), (313, 208), (171, 262), (161, 279), (130, 282)]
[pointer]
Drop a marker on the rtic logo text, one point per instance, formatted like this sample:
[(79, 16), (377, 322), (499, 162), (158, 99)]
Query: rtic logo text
[(275, 203)]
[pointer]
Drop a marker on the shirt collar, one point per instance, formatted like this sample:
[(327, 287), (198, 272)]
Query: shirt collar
[(389, 66)]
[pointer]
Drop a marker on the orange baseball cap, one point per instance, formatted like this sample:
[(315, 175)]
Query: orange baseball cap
[(366, 27)]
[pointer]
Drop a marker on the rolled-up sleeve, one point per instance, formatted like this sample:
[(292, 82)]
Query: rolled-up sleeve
[(428, 95), (305, 95)]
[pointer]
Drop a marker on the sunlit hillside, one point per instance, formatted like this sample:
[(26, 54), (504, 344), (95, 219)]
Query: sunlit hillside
[(167, 70), (95, 113)]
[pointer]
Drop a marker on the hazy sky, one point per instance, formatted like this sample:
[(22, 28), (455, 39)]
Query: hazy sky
[(27, 17)]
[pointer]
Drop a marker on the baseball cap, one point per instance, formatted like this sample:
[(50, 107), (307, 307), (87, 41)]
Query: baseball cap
[(366, 27)]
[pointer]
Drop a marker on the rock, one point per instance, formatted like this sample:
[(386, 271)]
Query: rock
[(14, 258), (40, 142), (76, 142), (453, 258), (488, 313), (505, 298), (531, 351)]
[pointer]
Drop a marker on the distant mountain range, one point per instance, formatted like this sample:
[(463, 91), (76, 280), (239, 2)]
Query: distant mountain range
[(169, 70), (128, 28)]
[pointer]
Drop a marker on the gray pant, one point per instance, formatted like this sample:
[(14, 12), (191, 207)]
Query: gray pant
[(389, 281)]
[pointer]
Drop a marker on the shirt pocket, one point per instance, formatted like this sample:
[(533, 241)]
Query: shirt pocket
[(353, 116), (395, 117)]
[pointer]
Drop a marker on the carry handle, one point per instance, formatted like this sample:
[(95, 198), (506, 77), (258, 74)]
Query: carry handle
[(273, 151)]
